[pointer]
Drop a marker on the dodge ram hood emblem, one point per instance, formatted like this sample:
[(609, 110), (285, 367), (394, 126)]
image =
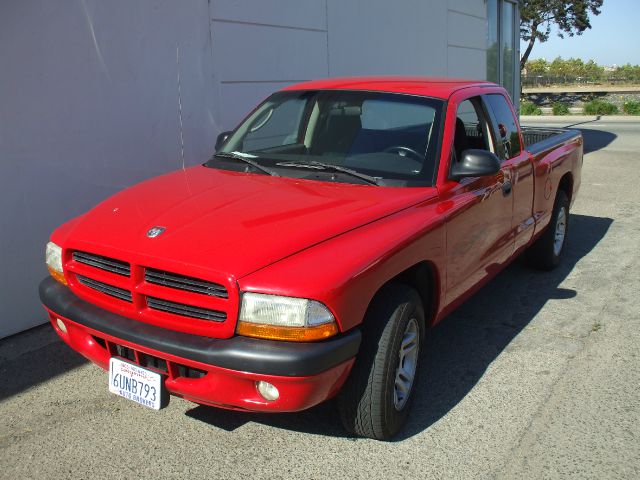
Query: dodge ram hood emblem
[(155, 231)]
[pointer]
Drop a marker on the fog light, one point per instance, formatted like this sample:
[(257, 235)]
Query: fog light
[(61, 325), (268, 391)]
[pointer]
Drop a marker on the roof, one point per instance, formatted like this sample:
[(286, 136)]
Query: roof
[(424, 86)]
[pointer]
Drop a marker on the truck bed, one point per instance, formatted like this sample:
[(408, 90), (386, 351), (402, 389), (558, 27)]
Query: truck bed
[(538, 139)]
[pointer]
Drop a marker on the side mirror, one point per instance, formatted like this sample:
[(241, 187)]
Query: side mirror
[(475, 163), (221, 139)]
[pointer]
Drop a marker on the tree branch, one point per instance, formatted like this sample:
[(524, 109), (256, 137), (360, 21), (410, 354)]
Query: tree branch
[(527, 52)]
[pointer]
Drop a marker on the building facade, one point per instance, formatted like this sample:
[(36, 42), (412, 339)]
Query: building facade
[(503, 40), (91, 91)]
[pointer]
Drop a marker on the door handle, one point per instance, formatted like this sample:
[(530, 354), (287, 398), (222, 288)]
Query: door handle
[(506, 188)]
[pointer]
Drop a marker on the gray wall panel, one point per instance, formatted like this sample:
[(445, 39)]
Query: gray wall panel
[(292, 13), (261, 53), (89, 106), (381, 37), (466, 31), (467, 63)]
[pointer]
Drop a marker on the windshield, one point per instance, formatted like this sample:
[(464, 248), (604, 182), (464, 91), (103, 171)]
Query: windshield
[(335, 135)]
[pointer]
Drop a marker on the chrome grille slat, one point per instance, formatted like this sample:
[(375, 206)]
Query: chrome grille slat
[(182, 282), (110, 290), (103, 263), (185, 310)]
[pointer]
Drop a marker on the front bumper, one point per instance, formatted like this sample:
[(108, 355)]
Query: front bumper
[(218, 372)]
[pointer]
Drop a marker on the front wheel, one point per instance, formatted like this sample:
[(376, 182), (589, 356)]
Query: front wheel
[(377, 397), (547, 250)]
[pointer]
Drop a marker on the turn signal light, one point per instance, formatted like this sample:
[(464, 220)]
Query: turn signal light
[(291, 334), (59, 276)]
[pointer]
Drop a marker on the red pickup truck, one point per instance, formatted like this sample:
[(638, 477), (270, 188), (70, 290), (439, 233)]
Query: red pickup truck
[(310, 255)]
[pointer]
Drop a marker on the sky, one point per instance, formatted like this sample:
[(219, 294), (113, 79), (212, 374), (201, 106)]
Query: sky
[(614, 38)]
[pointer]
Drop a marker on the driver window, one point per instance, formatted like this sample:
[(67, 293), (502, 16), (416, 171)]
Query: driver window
[(471, 129)]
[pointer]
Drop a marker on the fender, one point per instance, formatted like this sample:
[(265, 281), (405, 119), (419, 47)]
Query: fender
[(345, 272)]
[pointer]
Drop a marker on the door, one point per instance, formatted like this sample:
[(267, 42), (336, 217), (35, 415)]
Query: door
[(520, 164), (479, 241)]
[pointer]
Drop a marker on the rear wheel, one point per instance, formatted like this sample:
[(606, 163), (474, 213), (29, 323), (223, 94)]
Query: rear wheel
[(546, 252), (377, 397)]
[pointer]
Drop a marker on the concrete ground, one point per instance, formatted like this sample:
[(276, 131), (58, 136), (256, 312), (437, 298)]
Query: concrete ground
[(536, 376)]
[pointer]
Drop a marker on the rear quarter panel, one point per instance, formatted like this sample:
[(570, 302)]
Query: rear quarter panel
[(550, 166)]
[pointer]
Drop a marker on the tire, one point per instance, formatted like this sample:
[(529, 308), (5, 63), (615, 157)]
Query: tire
[(370, 403), (546, 252)]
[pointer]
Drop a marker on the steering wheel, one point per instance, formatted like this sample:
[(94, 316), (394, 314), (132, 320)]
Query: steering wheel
[(404, 151)]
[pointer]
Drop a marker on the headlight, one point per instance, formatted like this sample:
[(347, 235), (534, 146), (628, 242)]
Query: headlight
[(53, 258), (285, 318)]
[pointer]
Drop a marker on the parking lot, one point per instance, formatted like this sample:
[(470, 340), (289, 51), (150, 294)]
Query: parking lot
[(535, 377)]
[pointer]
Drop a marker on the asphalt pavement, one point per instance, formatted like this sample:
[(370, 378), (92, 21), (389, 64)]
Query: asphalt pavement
[(534, 377)]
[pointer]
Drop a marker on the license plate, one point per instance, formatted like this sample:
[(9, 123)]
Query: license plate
[(137, 384)]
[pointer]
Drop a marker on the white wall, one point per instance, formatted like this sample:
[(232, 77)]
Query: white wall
[(88, 92), (291, 41), (88, 106)]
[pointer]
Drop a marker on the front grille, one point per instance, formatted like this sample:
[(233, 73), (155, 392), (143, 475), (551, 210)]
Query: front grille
[(103, 263), (169, 300), (186, 310), (119, 293), (181, 282)]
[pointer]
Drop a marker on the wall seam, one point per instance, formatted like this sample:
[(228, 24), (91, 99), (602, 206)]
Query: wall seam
[(270, 25), (466, 14), (214, 78), (469, 48), (326, 24)]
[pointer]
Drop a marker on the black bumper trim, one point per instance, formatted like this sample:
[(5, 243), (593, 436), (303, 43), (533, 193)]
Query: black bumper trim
[(237, 353)]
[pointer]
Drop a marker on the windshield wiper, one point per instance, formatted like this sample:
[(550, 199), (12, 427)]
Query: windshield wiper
[(332, 168), (247, 160)]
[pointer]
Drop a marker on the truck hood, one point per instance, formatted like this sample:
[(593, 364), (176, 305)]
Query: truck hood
[(229, 222)]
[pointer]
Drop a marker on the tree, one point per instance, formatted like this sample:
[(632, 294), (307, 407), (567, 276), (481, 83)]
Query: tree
[(558, 67), (570, 17), (537, 67), (593, 71)]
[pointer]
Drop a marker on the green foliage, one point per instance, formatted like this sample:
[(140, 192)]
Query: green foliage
[(628, 72), (560, 67), (538, 16), (575, 70), (570, 17), (631, 107), (560, 108), (592, 70), (537, 67), (575, 67), (529, 108), (599, 107)]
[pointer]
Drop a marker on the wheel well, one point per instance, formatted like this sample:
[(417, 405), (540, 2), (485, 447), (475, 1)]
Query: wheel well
[(566, 185), (422, 277)]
